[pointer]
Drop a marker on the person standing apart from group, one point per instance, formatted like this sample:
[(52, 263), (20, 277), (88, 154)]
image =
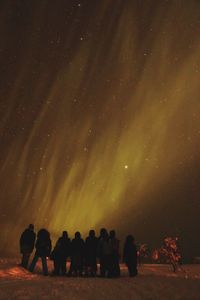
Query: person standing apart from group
[(27, 242), (130, 255)]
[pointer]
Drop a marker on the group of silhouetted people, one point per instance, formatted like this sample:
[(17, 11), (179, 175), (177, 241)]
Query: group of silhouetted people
[(83, 255)]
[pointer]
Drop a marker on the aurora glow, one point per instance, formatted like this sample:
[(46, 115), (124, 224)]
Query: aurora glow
[(100, 115)]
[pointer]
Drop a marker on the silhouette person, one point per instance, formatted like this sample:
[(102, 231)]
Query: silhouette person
[(60, 253), (115, 268), (104, 251), (43, 250), (91, 254), (77, 255), (130, 255), (27, 241)]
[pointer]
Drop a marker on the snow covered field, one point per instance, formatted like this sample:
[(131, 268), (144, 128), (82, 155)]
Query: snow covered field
[(153, 282)]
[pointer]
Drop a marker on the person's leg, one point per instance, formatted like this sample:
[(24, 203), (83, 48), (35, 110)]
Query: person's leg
[(44, 265), (56, 267), (109, 266), (75, 266), (86, 270), (130, 269), (102, 266), (25, 259), (70, 267), (93, 268), (80, 266), (117, 266), (33, 263), (63, 266)]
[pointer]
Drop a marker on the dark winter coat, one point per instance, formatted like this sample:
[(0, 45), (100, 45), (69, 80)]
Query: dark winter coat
[(115, 246), (43, 243), (77, 254), (77, 247), (62, 249), (27, 241), (91, 250), (130, 253), (104, 247)]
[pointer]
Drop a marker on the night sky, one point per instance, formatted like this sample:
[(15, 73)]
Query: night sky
[(100, 118)]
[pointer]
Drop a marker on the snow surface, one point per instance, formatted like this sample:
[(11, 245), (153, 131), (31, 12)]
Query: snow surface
[(153, 282)]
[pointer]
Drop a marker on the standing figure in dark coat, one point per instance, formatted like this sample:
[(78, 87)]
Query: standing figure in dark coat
[(61, 252), (115, 268), (91, 254), (130, 255), (27, 242), (104, 251), (77, 255), (43, 250)]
